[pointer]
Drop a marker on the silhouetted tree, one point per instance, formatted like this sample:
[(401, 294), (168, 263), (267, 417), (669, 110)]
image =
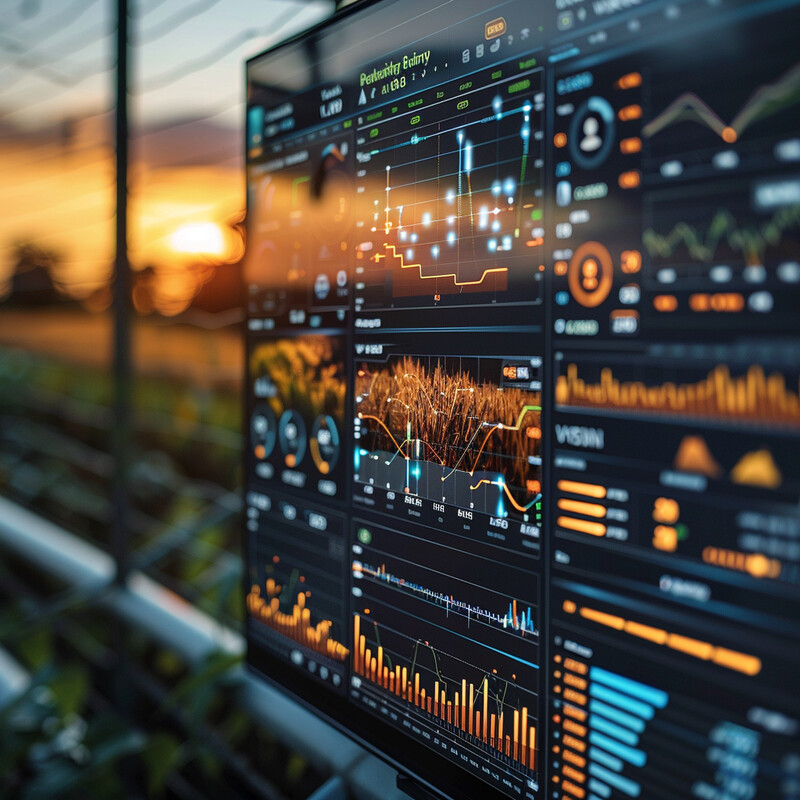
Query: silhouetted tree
[(32, 282)]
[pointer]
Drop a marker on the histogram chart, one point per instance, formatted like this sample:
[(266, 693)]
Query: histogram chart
[(486, 707), (452, 209), (266, 606), (453, 436), (455, 667), (295, 602), (724, 392)]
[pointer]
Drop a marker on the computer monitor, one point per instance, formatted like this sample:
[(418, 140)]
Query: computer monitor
[(522, 473)]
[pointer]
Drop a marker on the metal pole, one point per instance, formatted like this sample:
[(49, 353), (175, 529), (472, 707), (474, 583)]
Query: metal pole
[(121, 369), (122, 309)]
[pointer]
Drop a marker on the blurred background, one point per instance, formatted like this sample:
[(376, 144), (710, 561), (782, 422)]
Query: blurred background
[(120, 417)]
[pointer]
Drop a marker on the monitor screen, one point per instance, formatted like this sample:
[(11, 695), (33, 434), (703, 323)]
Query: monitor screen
[(522, 412)]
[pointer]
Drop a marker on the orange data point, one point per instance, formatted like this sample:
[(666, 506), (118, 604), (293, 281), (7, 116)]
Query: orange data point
[(729, 135)]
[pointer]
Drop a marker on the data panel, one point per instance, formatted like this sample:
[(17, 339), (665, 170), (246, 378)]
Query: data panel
[(523, 392)]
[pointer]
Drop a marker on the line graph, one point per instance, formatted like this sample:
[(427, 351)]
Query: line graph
[(398, 258), (453, 207), (751, 240), (516, 618), (432, 429), (763, 102)]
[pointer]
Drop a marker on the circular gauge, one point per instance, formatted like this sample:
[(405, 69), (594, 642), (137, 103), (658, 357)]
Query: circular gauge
[(591, 274), (263, 431), (324, 444), (292, 435), (591, 133)]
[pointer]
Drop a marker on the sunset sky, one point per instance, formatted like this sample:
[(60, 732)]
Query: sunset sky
[(187, 92)]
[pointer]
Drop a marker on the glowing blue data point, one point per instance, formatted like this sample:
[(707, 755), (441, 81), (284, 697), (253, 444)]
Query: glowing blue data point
[(435, 251), (497, 104), (527, 108), (492, 245), (506, 243), (509, 186), (426, 218), (409, 253), (451, 237), (414, 238), (496, 226), (496, 188), (525, 132), (450, 196)]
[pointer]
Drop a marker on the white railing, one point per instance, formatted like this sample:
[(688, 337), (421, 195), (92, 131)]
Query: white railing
[(173, 622)]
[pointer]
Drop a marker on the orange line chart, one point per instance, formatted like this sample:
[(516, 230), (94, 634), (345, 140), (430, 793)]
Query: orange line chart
[(766, 100), (398, 259)]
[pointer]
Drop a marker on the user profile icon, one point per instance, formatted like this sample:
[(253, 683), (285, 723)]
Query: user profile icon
[(591, 141), (591, 133)]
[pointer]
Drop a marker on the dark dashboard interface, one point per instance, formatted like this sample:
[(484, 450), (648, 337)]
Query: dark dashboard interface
[(523, 360)]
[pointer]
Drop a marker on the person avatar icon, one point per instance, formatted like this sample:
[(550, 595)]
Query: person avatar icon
[(591, 141)]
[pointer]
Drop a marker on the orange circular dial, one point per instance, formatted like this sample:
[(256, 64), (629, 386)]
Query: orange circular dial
[(591, 274)]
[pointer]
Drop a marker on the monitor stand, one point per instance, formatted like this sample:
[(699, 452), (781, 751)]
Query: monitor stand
[(414, 790)]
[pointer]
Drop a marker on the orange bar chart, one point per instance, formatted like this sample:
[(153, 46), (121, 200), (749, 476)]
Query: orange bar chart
[(754, 395), (469, 708), (295, 625), (705, 651)]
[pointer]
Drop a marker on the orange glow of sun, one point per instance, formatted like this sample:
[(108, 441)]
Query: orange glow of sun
[(199, 238)]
